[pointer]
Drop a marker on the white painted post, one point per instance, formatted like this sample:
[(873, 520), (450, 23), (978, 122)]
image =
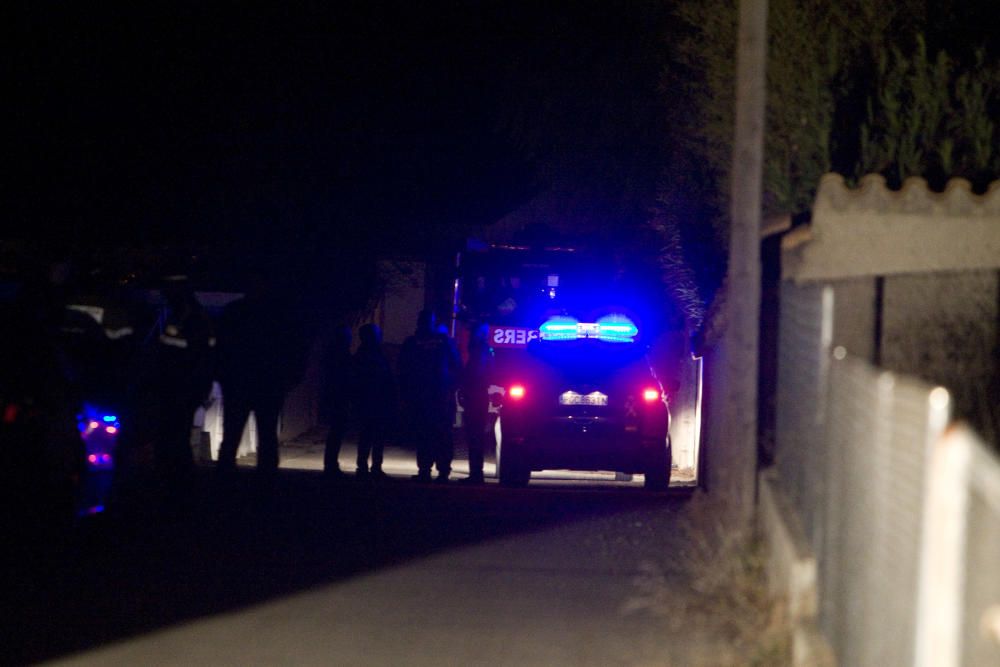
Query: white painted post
[(942, 553)]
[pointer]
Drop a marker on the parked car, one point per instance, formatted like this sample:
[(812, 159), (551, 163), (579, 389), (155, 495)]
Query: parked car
[(58, 431)]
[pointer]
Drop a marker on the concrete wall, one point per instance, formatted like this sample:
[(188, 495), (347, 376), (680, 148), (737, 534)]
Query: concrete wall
[(941, 327), (715, 461), (396, 312), (404, 296), (873, 231)]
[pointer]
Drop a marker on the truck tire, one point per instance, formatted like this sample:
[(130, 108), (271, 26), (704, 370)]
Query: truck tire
[(657, 469), (511, 469)]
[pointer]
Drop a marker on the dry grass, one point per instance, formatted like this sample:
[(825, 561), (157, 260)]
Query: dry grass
[(727, 592)]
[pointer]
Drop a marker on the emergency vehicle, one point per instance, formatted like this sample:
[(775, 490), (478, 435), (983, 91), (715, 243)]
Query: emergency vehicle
[(576, 388), (58, 430)]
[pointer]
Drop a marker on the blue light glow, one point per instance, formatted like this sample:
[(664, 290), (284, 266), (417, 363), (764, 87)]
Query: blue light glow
[(558, 328), (609, 338), (96, 425), (617, 329), (610, 328)]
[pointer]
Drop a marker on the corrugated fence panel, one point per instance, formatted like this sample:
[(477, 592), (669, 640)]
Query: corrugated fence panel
[(845, 563), (869, 569), (897, 553), (804, 340)]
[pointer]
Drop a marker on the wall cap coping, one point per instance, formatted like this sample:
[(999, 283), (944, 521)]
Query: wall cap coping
[(871, 230)]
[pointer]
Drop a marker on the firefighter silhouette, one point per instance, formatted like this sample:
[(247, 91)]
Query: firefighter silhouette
[(337, 368), (429, 367), (477, 376), (374, 395)]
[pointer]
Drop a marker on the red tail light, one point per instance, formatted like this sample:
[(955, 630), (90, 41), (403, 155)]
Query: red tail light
[(649, 395), (516, 392)]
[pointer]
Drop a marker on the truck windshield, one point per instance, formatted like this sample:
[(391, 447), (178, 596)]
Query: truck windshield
[(522, 287)]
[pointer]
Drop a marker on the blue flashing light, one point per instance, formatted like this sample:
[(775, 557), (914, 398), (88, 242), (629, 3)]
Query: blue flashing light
[(617, 329), (558, 328), (611, 328), (110, 418)]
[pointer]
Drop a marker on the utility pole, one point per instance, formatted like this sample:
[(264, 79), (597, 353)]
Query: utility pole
[(737, 478)]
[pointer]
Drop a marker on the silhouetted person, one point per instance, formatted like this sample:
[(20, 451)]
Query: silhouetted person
[(375, 398), (336, 389), (428, 372), (260, 358), (477, 376), (45, 453), (182, 379)]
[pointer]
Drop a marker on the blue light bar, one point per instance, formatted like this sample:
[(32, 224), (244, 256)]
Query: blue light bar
[(611, 328), (110, 418)]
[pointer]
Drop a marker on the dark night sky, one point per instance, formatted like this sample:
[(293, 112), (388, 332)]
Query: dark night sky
[(221, 120), (137, 119)]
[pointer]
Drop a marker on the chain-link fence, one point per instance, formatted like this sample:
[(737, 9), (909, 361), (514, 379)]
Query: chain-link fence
[(863, 456), (803, 364)]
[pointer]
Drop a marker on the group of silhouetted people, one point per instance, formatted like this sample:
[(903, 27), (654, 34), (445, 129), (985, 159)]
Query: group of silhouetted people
[(81, 342), (418, 403), (155, 366), (255, 350), (254, 353)]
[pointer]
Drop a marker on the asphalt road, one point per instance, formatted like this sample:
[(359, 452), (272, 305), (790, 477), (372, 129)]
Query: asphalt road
[(356, 573)]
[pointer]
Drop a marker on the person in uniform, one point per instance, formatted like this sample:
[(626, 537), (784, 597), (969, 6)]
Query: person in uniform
[(374, 395), (336, 398), (429, 367), (477, 376)]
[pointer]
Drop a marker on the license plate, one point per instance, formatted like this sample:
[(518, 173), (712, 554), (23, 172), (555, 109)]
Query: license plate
[(573, 398)]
